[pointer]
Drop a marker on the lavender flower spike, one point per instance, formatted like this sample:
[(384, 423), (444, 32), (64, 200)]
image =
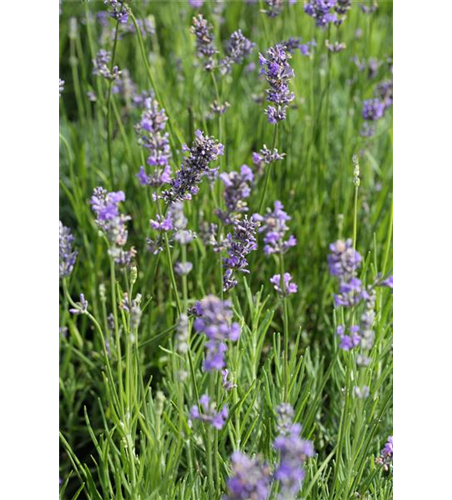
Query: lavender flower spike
[(321, 11), (80, 307), (208, 413), (373, 109), (67, 255), (237, 48), (118, 10), (114, 224), (277, 72), (205, 47), (100, 66), (343, 260), (215, 321), (185, 185), (250, 478), (237, 187), (274, 228), (152, 136), (240, 243)]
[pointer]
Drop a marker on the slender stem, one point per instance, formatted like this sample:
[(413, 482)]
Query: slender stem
[(286, 329), (267, 171), (355, 217)]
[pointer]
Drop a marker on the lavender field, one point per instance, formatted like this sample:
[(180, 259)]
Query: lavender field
[(225, 248)]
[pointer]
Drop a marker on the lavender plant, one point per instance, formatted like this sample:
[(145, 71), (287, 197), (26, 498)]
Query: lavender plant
[(212, 363)]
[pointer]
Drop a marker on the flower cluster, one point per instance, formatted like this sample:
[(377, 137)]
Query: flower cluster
[(293, 453), (335, 47), (265, 157), (133, 308), (277, 72), (205, 47), (152, 136), (321, 11), (274, 228), (237, 48), (203, 151), (287, 287), (237, 187), (214, 319), (250, 478), (61, 87), (196, 4), (105, 205), (100, 66), (226, 382), (373, 109), (67, 255), (240, 243), (208, 413), (387, 455), (80, 307), (118, 10), (343, 260), (348, 342), (175, 221)]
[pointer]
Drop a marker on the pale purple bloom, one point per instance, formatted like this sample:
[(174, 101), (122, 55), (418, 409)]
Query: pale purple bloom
[(293, 451), (335, 47), (274, 7), (185, 185), (205, 47), (343, 260), (80, 307), (118, 10), (237, 48), (214, 319), (285, 414), (350, 293), (105, 205), (387, 455), (275, 228), (240, 243), (182, 335), (348, 342), (100, 66), (321, 11), (384, 90), (361, 392), (373, 109), (61, 87), (277, 72), (265, 157), (183, 268), (152, 136), (388, 450), (388, 282), (237, 187), (206, 412), (305, 48), (250, 478), (67, 255), (288, 287)]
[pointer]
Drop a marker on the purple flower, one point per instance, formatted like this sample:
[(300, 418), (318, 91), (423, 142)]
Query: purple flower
[(152, 135), (67, 255), (214, 319), (240, 243), (183, 268), (288, 287), (321, 11), (388, 282), (265, 157), (373, 109), (350, 293), (277, 72), (105, 205), (100, 66), (206, 412), (292, 44), (335, 47), (237, 187), (237, 48), (348, 342), (274, 228), (343, 260), (61, 87), (274, 7), (118, 10), (205, 47), (387, 455), (80, 307), (388, 450), (185, 185), (227, 384), (196, 4), (293, 453), (250, 478), (384, 90)]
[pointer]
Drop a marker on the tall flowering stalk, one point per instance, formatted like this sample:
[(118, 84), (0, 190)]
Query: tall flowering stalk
[(152, 136), (67, 255), (205, 46)]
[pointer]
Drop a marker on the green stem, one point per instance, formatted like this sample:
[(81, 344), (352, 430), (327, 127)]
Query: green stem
[(267, 171)]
